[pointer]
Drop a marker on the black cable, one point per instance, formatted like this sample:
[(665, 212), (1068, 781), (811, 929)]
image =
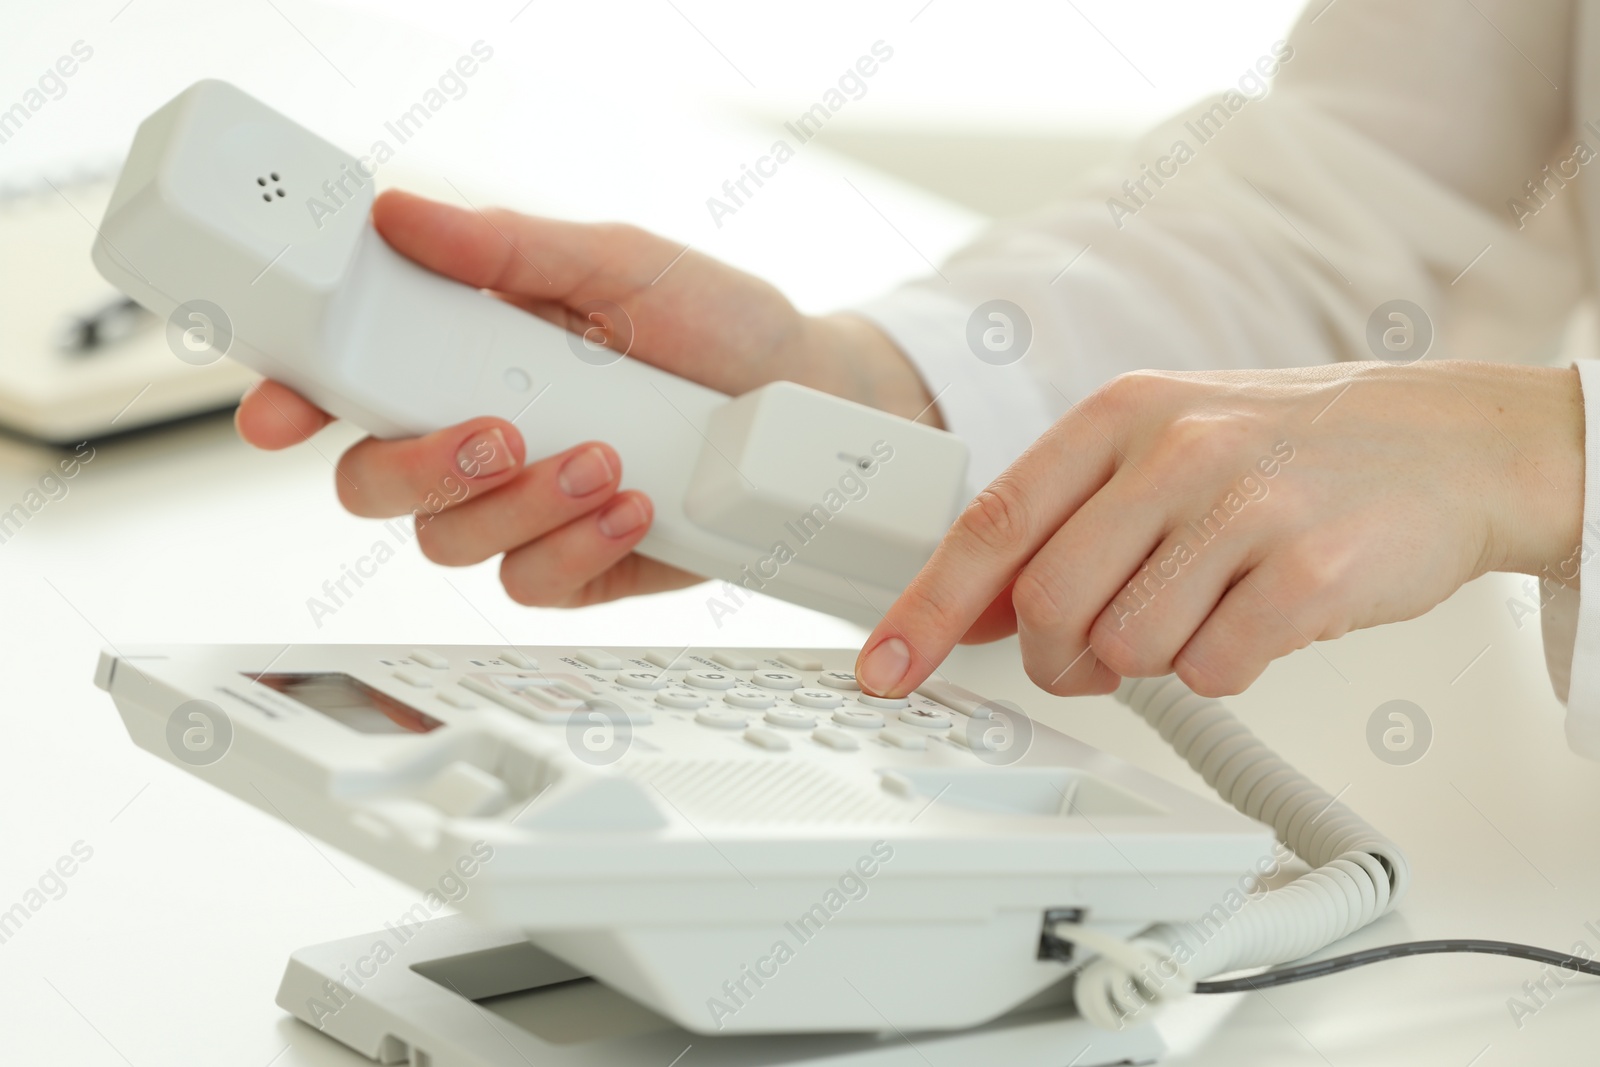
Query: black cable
[(1301, 971)]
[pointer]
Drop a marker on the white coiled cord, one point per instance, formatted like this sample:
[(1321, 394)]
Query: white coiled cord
[(1357, 875)]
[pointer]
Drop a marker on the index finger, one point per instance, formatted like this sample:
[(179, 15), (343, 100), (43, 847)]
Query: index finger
[(991, 540)]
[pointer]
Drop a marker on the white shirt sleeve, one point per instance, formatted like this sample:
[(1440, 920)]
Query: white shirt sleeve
[(1571, 621), (1381, 166), (1401, 154)]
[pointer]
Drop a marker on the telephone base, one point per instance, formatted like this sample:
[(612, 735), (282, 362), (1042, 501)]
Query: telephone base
[(447, 993)]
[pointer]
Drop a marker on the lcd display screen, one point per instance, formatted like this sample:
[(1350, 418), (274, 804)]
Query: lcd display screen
[(350, 701)]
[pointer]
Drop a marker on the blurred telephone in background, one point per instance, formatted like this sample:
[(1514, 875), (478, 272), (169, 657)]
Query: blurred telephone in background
[(77, 359)]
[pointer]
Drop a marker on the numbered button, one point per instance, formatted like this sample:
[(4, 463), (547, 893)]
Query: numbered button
[(929, 718), (642, 680), (680, 698), (838, 680), (777, 679), (886, 703), (710, 680), (821, 699), (721, 718), (753, 699), (796, 718), (860, 718)]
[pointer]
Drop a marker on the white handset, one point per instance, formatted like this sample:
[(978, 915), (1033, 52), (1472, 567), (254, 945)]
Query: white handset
[(230, 218)]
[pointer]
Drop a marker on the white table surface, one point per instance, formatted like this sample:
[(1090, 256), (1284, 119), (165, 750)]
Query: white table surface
[(168, 944)]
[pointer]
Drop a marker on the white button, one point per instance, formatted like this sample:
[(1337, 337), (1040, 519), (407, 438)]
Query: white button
[(833, 737), (599, 659), (430, 659), (816, 698), (838, 680), (734, 661), (681, 698), (860, 718), (723, 718), (754, 699), (413, 678), (887, 703), (928, 718), (770, 740), (642, 680), (664, 660), (521, 702), (799, 661), (899, 785), (456, 700), (517, 379), (953, 696), (906, 739), (517, 659), (777, 679), (710, 680), (792, 717)]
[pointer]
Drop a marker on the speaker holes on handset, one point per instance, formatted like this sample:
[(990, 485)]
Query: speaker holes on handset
[(275, 178), (261, 181)]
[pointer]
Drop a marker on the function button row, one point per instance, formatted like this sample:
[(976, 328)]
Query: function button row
[(800, 661), (734, 661), (599, 659)]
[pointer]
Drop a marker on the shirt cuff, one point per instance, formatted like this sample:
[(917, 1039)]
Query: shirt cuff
[(997, 408), (1569, 620)]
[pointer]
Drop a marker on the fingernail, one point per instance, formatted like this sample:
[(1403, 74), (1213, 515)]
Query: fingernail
[(884, 666), (585, 472), (485, 454), (622, 518)]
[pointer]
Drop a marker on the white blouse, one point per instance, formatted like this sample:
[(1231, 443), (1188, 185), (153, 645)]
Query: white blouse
[(1429, 151)]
